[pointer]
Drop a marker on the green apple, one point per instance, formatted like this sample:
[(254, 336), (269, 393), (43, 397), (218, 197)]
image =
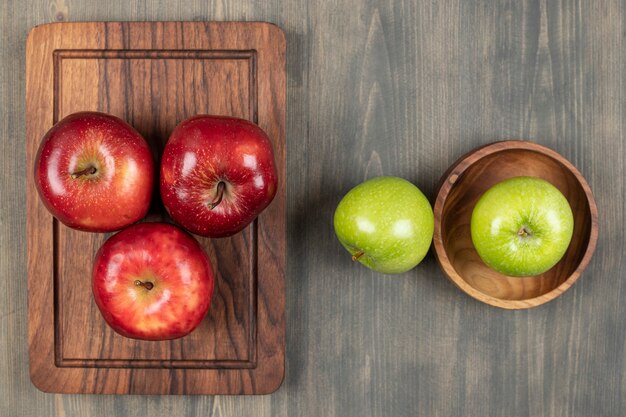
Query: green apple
[(522, 226), (386, 223)]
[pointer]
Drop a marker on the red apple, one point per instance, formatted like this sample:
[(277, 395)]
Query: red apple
[(217, 174), (94, 172), (152, 281)]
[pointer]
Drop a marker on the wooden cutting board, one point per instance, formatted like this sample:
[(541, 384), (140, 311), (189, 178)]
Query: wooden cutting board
[(154, 75)]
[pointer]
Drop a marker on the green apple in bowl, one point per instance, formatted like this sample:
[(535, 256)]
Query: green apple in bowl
[(522, 226), (386, 223)]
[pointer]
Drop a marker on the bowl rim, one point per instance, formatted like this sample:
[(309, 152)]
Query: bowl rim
[(447, 182)]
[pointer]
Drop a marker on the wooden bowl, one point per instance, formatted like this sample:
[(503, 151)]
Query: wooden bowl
[(459, 190)]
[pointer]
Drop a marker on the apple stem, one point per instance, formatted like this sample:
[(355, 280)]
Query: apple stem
[(523, 232), (357, 255), (90, 170), (147, 285), (219, 195)]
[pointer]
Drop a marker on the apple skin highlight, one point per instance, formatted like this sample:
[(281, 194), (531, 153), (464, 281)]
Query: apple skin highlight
[(385, 223), (94, 172), (152, 281), (217, 174), (522, 226)]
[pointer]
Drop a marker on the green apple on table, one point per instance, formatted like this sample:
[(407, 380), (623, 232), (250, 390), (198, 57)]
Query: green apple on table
[(386, 223), (522, 226)]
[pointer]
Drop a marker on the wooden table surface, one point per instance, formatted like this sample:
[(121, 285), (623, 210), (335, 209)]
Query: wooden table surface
[(395, 87)]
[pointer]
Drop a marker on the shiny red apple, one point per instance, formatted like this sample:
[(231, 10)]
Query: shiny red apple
[(152, 281), (94, 172), (217, 174)]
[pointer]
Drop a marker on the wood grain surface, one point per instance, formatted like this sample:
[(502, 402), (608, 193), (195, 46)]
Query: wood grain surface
[(398, 87), (154, 75)]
